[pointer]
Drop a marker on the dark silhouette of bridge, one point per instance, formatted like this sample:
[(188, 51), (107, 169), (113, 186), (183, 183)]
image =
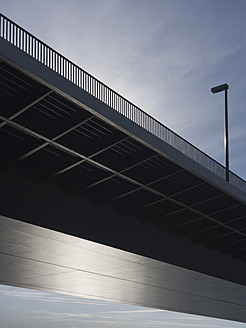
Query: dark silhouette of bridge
[(82, 169)]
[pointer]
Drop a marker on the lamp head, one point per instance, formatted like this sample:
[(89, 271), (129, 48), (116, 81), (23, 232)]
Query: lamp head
[(219, 88)]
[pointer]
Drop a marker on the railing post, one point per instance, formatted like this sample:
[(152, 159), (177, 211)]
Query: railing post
[(226, 136)]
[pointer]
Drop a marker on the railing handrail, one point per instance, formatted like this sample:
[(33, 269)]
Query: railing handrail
[(24, 40)]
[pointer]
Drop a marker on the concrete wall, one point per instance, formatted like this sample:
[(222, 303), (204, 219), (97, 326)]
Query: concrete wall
[(48, 206)]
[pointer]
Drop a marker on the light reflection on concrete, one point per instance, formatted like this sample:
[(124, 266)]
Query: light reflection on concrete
[(38, 258)]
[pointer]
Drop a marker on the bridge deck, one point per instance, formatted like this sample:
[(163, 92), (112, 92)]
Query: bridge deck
[(51, 138), (58, 139)]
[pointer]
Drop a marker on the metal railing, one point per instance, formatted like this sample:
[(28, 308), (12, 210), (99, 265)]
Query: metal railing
[(28, 43)]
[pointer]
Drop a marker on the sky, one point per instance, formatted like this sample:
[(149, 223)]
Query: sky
[(164, 56)]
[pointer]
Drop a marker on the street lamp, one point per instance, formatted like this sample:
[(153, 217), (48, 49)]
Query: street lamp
[(219, 88)]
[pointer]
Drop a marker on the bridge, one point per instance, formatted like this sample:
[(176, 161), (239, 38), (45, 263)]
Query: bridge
[(99, 199)]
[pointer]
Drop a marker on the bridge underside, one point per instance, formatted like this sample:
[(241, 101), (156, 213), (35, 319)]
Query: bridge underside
[(68, 167)]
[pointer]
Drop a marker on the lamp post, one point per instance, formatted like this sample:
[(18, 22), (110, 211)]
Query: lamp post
[(219, 88)]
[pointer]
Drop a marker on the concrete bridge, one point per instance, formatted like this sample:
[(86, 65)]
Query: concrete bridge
[(99, 199)]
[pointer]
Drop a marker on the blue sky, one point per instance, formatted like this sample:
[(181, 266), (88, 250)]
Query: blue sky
[(164, 56)]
